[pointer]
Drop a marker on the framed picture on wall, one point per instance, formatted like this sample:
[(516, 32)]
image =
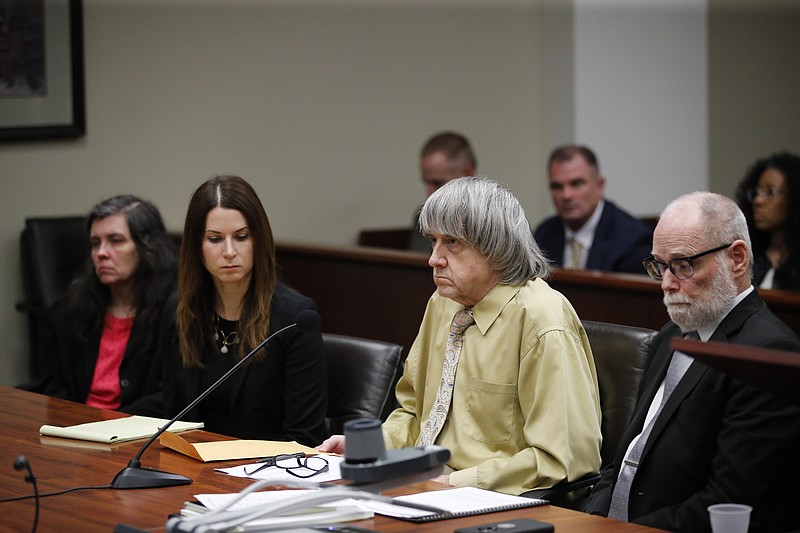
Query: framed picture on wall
[(41, 70)]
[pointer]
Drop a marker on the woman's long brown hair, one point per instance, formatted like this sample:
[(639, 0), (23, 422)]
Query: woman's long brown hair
[(195, 317)]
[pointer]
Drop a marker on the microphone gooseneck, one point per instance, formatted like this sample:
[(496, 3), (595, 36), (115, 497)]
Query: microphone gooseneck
[(135, 477), (21, 463)]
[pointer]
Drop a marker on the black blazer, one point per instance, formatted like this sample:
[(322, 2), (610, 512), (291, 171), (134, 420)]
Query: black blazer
[(716, 440), (283, 396), (71, 361), (620, 242)]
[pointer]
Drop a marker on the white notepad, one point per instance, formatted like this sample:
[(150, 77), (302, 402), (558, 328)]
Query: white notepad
[(454, 503)]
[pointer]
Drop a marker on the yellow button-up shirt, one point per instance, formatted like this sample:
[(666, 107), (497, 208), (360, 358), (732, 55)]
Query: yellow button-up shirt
[(525, 412)]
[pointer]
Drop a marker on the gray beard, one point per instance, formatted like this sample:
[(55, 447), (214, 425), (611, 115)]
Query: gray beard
[(704, 310)]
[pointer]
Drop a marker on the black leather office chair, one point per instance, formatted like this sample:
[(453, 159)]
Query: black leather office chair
[(620, 355), (362, 374), (51, 251)]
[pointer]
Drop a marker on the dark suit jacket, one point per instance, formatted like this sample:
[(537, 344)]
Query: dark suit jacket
[(71, 362), (716, 440), (283, 396), (620, 243)]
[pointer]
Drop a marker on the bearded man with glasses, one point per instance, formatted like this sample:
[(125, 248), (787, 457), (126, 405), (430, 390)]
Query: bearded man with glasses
[(698, 436)]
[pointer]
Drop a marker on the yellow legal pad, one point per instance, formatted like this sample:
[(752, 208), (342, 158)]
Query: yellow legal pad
[(116, 430)]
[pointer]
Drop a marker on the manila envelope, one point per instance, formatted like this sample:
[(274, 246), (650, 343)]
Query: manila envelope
[(231, 449)]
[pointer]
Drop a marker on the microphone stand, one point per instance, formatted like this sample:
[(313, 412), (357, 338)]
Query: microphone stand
[(135, 477), (20, 463)]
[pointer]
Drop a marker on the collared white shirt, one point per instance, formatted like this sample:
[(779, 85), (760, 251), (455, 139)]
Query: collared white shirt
[(584, 235), (769, 279)]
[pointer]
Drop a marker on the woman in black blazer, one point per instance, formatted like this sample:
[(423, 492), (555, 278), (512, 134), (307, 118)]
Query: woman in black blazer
[(103, 337), (228, 301)]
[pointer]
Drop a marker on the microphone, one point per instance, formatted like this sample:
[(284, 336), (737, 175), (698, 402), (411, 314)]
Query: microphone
[(135, 477), (368, 464), (20, 463)]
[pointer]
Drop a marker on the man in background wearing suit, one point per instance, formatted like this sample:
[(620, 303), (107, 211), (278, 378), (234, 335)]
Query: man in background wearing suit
[(444, 157), (713, 439), (588, 231)]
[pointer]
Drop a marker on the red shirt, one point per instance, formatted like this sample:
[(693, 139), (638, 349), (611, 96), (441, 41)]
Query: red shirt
[(105, 391)]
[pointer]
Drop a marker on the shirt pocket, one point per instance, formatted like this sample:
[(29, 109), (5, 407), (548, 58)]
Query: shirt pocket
[(490, 412)]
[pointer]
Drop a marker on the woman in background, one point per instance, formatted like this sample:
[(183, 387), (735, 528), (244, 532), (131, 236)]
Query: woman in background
[(104, 335), (769, 196), (228, 301)]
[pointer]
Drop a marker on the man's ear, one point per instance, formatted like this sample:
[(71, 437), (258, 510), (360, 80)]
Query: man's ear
[(740, 255), (601, 180)]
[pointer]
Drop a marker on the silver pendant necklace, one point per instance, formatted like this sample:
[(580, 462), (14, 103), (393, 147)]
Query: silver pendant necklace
[(224, 339)]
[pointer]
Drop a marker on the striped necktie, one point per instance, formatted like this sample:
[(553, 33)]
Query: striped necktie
[(576, 254)]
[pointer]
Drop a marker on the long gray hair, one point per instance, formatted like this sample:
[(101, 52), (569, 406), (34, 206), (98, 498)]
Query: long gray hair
[(486, 215)]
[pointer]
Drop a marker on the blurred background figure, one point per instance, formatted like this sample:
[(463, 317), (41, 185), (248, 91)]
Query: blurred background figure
[(588, 231), (769, 196), (103, 340), (229, 300), (444, 157)]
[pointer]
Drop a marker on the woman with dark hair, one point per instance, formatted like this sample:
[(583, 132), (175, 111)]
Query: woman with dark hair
[(229, 299), (769, 196), (104, 336)]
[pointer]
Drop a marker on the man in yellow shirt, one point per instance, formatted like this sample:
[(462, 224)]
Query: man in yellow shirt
[(512, 392)]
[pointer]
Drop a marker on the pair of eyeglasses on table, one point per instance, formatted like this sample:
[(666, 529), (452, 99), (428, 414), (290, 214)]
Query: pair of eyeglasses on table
[(297, 464)]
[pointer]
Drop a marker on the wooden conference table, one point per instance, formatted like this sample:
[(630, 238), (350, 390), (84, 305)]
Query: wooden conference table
[(62, 464)]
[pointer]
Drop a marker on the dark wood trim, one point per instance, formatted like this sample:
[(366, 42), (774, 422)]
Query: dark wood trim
[(777, 371), (381, 293), (364, 292), (397, 238)]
